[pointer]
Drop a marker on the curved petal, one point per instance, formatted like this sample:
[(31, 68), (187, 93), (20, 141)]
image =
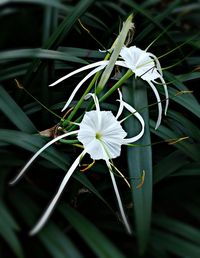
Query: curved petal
[(21, 173), (122, 63), (121, 106), (86, 67), (96, 102), (53, 202), (166, 94), (158, 66), (81, 83), (124, 219), (141, 120), (159, 104)]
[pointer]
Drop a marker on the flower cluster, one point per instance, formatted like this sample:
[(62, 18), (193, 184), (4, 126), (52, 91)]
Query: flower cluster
[(100, 131)]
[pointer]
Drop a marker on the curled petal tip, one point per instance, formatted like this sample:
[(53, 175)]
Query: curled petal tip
[(11, 183)]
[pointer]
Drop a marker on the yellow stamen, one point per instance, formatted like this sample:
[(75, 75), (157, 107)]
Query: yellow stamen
[(174, 141), (19, 84), (111, 163), (83, 26), (142, 180), (183, 92), (87, 166)]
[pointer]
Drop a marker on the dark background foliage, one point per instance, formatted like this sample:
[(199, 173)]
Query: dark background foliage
[(43, 40)]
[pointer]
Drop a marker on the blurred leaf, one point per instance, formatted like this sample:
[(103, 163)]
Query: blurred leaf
[(15, 114), (168, 165), (182, 95), (185, 124), (176, 245), (191, 169), (140, 161), (52, 237), (188, 76), (179, 228), (57, 243), (58, 35), (190, 149), (39, 53), (7, 230), (33, 143), (97, 241), (53, 3)]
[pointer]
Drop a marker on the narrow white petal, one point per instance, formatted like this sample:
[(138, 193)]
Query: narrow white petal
[(141, 120), (104, 62), (80, 84), (53, 202), (121, 106), (122, 63), (158, 66), (124, 219), (96, 102), (159, 104), (21, 173), (166, 94)]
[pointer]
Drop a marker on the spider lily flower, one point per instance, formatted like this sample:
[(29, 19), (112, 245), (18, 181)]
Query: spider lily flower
[(102, 136), (143, 64)]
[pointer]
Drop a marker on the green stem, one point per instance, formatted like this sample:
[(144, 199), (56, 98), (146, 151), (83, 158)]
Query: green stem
[(124, 78), (117, 45)]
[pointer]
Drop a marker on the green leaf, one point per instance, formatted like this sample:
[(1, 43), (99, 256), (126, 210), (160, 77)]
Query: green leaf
[(168, 165), (188, 148), (97, 241), (58, 35), (39, 53), (176, 245), (53, 3), (139, 161), (179, 228), (57, 243), (33, 143), (7, 230), (184, 124), (181, 96), (15, 114), (191, 169)]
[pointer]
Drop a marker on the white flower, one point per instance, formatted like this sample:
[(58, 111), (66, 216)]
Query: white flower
[(96, 138), (142, 63), (102, 136)]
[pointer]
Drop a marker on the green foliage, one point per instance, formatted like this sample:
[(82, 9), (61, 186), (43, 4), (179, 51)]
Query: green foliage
[(43, 40)]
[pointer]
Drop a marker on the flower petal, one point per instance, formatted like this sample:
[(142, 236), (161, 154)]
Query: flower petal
[(121, 106), (124, 219), (141, 120), (81, 83), (158, 66), (86, 67), (166, 94), (104, 140), (21, 173), (159, 104), (50, 208)]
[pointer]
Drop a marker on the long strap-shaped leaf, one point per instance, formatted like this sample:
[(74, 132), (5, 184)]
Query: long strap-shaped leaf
[(33, 143), (97, 241), (60, 32), (14, 113), (140, 161)]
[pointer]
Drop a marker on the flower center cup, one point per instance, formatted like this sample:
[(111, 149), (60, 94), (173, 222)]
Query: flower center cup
[(98, 135), (101, 135)]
